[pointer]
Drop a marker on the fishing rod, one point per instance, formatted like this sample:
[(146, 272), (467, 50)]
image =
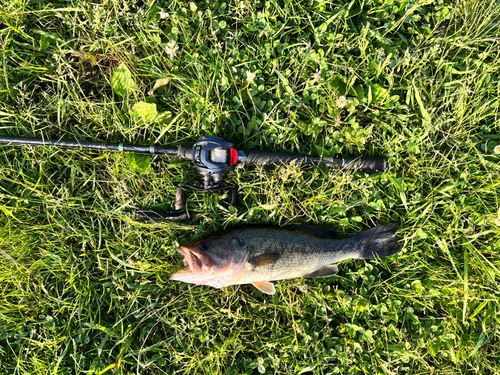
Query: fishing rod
[(212, 158)]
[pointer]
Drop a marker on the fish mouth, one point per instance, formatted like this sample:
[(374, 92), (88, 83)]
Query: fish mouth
[(194, 261), (202, 270)]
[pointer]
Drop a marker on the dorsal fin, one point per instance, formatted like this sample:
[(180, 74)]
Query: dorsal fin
[(264, 260), (265, 287), (322, 230)]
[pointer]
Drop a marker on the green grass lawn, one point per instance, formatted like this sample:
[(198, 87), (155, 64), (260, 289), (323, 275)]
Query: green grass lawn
[(85, 289)]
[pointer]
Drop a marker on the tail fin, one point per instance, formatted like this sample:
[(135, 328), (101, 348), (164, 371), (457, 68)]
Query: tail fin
[(379, 242)]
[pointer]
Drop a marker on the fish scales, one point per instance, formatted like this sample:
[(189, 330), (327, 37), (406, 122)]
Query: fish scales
[(300, 253), (259, 254)]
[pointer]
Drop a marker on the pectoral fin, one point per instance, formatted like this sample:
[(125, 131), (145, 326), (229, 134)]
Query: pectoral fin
[(265, 287), (264, 260), (325, 271)]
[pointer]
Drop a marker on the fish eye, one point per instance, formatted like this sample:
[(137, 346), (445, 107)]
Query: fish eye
[(203, 246)]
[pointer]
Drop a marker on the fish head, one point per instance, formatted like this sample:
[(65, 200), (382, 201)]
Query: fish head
[(215, 262)]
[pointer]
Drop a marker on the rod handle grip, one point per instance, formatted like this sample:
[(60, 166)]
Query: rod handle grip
[(365, 164), (257, 157)]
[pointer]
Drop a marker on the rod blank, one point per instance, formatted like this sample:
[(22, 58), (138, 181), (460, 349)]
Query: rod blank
[(152, 150)]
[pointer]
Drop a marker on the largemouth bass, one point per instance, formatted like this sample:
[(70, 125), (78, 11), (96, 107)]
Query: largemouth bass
[(258, 254)]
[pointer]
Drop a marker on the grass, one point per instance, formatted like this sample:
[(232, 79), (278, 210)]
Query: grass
[(85, 289)]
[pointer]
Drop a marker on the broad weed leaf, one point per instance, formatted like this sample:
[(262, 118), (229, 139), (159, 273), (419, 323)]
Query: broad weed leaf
[(139, 163), (379, 93), (122, 81), (144, 113)]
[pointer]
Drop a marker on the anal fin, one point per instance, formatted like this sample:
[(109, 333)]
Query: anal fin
[(265, 287), (325, 271)]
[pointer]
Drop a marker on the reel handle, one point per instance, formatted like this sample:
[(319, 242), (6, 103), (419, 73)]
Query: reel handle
[(233, 196)]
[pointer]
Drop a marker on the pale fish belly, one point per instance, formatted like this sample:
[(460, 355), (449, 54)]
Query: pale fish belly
[(282, 270)]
